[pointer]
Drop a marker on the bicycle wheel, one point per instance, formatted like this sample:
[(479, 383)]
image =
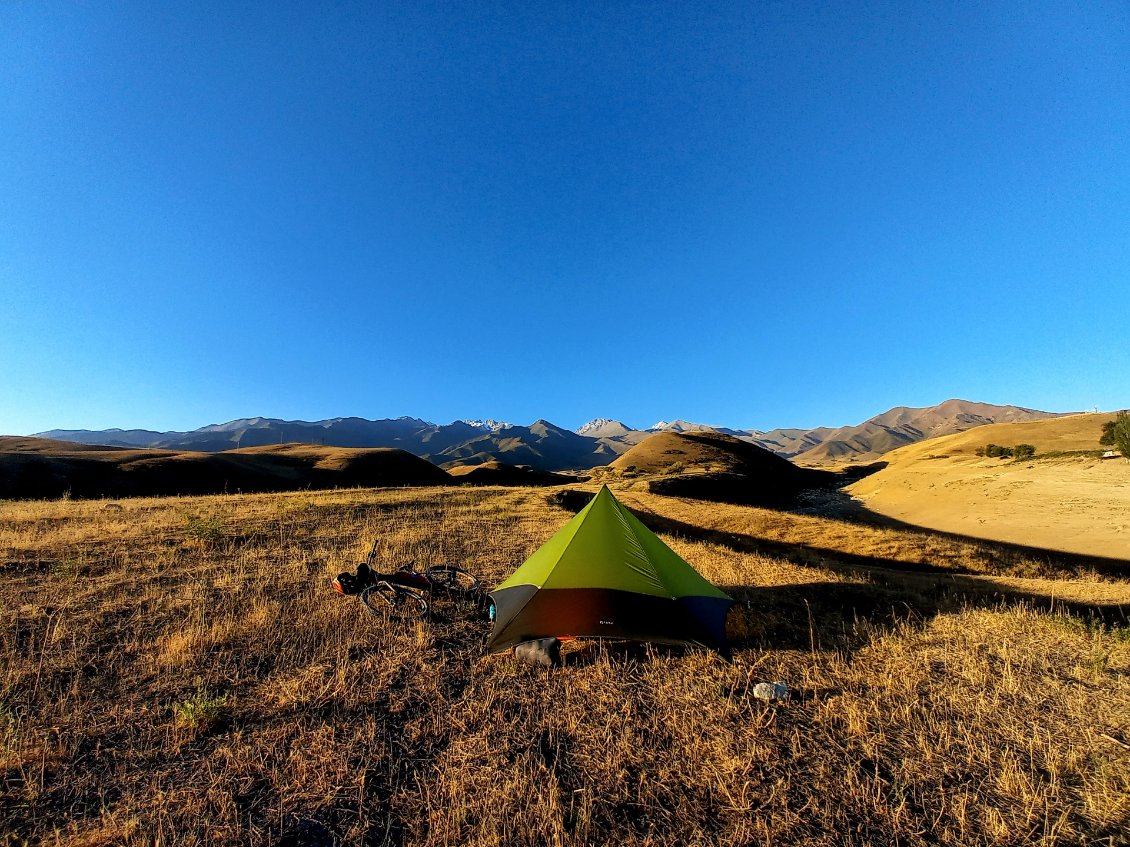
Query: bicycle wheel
[(454, 581), (388, 601)]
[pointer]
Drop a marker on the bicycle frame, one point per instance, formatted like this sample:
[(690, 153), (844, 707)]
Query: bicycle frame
[(407, 580)]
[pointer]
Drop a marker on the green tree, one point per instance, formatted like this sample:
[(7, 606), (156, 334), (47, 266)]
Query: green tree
[(1024, 451), (1116, 434)]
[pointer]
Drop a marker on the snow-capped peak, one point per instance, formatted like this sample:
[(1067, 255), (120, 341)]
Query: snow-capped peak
[(680, 425), (597, 423), (487, 424)]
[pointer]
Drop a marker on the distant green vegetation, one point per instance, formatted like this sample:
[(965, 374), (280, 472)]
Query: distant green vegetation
[(997, 451), (1116, 434)]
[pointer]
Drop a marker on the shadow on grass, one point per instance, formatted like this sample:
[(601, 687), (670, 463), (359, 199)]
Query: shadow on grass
[(883, 593), (1009, 559), (844, 616), (592, 651), (845, 508)]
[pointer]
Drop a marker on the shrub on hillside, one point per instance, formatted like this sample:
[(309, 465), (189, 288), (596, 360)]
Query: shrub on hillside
[(996, 451), (1116, 434), (1024, 451), (205, 530)]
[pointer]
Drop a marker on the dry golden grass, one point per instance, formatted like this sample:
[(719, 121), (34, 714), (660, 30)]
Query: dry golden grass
[(177, 671), (1077, 504), (1068, 433)]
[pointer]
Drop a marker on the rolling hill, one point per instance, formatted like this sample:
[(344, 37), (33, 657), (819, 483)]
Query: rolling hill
[(1075, 503), (41, 468), (714, 466), (904, 425), (498, 473), (700, 452)]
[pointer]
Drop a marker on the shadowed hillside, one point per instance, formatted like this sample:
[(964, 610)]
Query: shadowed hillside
[(712, 466), (41, 468), (541, 445), (498, 473)]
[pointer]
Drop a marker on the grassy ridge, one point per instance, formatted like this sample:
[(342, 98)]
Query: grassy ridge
[(41, 468), (177, 671)]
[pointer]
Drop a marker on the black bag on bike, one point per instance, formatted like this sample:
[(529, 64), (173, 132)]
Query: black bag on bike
[(346, 583), (350, 584)]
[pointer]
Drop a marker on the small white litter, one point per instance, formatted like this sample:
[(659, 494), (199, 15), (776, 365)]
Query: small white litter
[(771, 691)]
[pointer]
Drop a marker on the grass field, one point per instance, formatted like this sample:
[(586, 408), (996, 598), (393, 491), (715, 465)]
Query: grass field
[(178, 671)]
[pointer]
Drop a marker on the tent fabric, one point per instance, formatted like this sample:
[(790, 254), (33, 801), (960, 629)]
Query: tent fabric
[(606, 575)]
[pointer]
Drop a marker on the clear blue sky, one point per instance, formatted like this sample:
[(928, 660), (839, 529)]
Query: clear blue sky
[(757, 214)]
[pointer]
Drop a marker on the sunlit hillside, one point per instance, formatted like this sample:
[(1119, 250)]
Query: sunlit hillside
[(1066, 497), (1060, 434)]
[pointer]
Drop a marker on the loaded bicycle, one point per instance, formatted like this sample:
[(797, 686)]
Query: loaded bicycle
[(407, 592)]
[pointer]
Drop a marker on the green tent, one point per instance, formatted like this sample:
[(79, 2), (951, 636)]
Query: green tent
[(606, 575)]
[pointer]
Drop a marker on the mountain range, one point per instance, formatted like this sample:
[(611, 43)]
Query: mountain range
[(546, 446), (894, 428), (541, 444)]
